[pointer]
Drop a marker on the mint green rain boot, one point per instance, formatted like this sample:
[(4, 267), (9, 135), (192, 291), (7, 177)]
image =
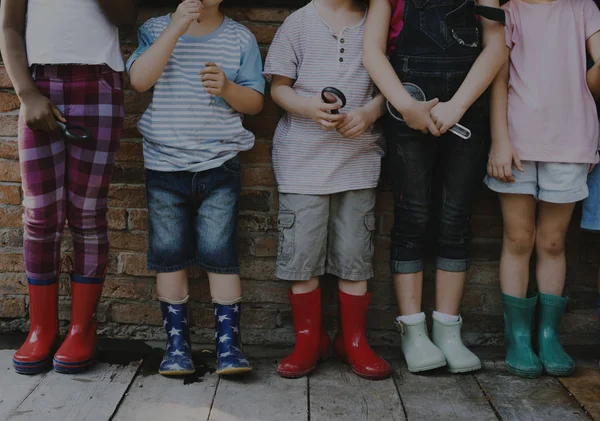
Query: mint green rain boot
[(420, 353), (446, 336), (555, 360), (518, 320)]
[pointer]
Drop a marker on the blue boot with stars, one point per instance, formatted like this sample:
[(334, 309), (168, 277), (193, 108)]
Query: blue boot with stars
[(178, 354), (230, 358)]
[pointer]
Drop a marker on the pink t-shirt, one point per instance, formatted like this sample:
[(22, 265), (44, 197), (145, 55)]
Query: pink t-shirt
[(396, 24), (551, 112)]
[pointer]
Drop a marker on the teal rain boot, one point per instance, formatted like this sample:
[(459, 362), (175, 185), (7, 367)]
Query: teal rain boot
[(518, 320), (555, 360)]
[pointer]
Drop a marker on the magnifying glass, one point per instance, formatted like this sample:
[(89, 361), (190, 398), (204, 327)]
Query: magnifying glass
[(331, 95), (418, 94), (74, 132)]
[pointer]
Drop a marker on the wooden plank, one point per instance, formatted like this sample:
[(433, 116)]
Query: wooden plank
[(439, 395), (90, 396), (261, 396), (153, 397), (336, 393), (519, 399), (585, 387), (15, 387)]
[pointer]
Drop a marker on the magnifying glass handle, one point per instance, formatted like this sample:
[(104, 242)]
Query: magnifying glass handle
[(461, 131), (61, 125)]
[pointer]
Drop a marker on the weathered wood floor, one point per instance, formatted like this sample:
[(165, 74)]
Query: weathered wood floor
[(131, 391)]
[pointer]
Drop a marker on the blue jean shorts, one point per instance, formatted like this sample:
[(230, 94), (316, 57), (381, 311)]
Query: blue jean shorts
[(192, 219), (591, 206), (550, 182)]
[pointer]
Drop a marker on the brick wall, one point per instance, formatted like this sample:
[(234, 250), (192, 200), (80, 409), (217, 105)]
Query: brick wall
[(129, 308)]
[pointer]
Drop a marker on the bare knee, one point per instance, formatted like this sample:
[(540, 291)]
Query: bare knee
[(519, 242), (550, 243)]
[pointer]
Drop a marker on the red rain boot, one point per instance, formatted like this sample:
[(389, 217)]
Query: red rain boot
[(34, 356), (350, 344), (79, 348), (312, 341)]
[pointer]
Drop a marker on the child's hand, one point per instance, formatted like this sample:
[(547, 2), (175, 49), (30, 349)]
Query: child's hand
[(213, 79), (187, 12), (355, 124), (501, 160), (445, 115), (418, 116), (318, 111), (40, 113)]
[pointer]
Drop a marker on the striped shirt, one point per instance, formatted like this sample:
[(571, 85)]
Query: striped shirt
[(307, 159), (185, 128)]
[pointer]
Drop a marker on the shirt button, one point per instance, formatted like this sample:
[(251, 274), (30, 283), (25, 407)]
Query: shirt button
[(342, 40), (342, 51), (341, 59)]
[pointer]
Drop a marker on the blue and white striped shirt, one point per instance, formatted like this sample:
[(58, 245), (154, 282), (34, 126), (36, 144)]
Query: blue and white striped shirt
[(185, 128)]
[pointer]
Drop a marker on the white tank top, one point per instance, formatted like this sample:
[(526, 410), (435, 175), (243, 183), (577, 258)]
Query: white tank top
[(71, 32)]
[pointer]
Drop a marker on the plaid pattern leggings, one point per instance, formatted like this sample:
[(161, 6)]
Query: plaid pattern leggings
[(68, 180)]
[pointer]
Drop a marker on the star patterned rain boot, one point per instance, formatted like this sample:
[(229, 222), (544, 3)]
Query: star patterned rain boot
[(230, 357), (177, 360)]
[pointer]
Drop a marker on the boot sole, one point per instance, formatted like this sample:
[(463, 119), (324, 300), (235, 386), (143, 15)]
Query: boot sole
[(176, 373), (464, 370), (234, 371), (553, 373), (428, 368), (524, 374), (63, 367), (336, 356), (35, 367), (297, 375)]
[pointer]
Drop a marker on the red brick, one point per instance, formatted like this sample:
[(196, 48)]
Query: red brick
[(262, 126), (11, 262), (13, 283), (129, 127), (138, 219), (9, 149), (385, 202), (117, 219), (121, 240), (265, 247), (253, 222), (386, 224), (258, 15), (134, 264), (137, 289), (12, 308), (130, 151), (128, 173), (9, 102), (259, 154), (8, 125), (127, 196), (142, 313), (255, 200), (10, 194), (258, 176), (136, 102), (11, 216), (10, 171), (5, 82), (263, 32)]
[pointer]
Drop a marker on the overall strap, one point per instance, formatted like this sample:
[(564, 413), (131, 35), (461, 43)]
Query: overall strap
[(471, 7)]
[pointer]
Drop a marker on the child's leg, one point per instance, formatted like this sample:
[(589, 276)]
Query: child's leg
[(518, 216), (172, 286), (301, 255), (350, 251)]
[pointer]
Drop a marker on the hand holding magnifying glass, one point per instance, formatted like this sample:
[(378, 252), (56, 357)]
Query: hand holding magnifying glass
[(74, 132)]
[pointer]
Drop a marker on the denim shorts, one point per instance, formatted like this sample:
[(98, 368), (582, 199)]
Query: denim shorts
[(326, 234), (591, 206), (192, 219), (550, 182)]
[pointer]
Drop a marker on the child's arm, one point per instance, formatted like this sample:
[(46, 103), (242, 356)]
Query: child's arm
[(415, 113), (120, 12), (286, 97), (480, 76), (38, 111), (359, 120), (149, 66), (244, 100), (502, 153), (593, 75)]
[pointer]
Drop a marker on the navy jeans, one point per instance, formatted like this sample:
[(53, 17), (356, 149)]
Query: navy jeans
[(192, 219)]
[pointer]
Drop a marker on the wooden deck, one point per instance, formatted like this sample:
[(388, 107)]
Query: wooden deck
[(130, 390)]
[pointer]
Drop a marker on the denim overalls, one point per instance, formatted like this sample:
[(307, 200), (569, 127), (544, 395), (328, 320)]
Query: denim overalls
[(435, 50)]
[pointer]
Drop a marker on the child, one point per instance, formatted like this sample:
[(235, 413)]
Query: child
[(65, 64), (327, 167), (437, 45), (546, 124), (206, 73)]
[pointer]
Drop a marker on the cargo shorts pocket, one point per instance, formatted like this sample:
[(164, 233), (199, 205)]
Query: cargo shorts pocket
[(369, 238), (285, 226)]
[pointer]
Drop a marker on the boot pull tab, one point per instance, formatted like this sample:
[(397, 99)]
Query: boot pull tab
[(399, 326)]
